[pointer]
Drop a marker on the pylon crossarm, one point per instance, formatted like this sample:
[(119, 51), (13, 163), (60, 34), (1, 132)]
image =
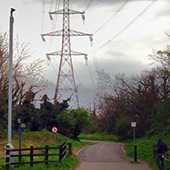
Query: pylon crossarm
[(64, 12), (75, 12), (54, 53), (77, 53), (72, 33), (55, 33), (72, 53), (57, 12), (78, 33)]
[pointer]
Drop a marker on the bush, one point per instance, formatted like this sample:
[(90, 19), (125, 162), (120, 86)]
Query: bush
[(72, 122), (123, 128)]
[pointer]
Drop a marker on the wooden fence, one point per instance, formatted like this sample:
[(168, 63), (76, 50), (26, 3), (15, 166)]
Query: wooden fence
[(167, 154), (58, 155)]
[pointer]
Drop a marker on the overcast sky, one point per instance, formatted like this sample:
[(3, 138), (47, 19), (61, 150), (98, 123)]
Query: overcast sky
[(125, 33)]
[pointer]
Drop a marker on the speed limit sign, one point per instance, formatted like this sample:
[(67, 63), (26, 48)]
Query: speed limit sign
[(54, 129)]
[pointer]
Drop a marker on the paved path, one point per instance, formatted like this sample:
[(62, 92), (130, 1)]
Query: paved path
[(107, 156)]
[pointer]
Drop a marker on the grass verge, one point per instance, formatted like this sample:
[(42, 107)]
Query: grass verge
[(98, 137), (41, 139), (145, 150)]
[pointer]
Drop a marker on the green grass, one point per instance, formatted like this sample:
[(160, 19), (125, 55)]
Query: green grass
[(145, 150), (41, 139), (67, 164), (98, 137)]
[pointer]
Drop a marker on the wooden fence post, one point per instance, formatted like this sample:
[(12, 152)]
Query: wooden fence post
[(60, 153), (7, 154), (46, 155), (31, 155), (70, 149)]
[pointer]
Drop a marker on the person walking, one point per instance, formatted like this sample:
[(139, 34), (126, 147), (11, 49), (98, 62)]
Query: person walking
[(162, 148)]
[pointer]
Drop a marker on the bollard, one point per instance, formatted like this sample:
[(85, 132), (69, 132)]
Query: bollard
[(135, 153), (8, 152)]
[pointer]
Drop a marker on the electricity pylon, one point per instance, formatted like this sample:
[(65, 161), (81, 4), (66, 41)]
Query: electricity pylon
[(66, 86)]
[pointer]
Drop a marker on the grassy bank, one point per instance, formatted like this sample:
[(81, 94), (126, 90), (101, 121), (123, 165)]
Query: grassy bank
[(145, 150), (41, 139), (98, 137), (144, 147)]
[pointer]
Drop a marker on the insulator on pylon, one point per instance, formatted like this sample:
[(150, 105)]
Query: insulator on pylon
[(86, 58), (91, 40), (48, 57), (51, 17), (42, 37), (83, 18)]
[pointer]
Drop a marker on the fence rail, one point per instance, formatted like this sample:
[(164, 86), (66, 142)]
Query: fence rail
[(60, 152), (167, 154)]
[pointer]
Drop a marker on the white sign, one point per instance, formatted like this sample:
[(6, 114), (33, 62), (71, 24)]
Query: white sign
[(133, 124), (23, 125), (54, 129)]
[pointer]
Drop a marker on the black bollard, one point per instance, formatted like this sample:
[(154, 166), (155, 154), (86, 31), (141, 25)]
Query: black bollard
[(135, 153)]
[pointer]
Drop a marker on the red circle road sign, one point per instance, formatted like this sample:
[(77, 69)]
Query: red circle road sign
[(54, 129)]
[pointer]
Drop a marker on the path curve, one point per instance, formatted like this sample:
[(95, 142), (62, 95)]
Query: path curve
[(107, 156)]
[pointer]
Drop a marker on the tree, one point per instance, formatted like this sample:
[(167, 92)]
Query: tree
[(137, 99), (47, 114), (28, 113), (72, 122), (3, 80), (162, 59), (26, 76)]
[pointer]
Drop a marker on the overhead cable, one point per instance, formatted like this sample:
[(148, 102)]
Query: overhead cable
[(91, 76), (115, 13), (129, 24), (42, 15), (88, 5)]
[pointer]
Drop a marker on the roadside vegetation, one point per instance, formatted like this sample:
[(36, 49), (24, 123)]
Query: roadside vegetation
[(98, 137), (41, 139), (145, 150)]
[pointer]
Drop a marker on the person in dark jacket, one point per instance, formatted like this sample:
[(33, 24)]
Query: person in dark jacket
[(162, 148)]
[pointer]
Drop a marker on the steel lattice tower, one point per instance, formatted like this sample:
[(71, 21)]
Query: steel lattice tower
[(66, 85)]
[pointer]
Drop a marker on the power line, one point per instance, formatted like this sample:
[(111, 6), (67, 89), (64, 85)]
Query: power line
[(115, 13), (129, 24), (91, 76), (42, 15), (88, 5)]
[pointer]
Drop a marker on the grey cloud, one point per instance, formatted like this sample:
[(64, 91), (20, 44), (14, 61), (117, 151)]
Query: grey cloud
[(122, 63), (162, 13)]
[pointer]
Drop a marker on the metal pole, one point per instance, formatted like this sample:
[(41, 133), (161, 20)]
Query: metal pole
[(19, 149), (134, 136), (135, 147), (10, 78), (55, 139)]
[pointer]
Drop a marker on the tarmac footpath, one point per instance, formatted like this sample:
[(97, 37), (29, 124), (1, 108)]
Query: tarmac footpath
[(112, 166), (107, 156)]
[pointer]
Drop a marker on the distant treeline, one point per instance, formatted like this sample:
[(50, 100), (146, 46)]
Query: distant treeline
[(144, 99)]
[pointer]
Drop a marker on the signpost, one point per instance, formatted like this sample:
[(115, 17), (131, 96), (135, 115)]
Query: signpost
[(54, 130), (20, 132), (133, 125), (21, 125)]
